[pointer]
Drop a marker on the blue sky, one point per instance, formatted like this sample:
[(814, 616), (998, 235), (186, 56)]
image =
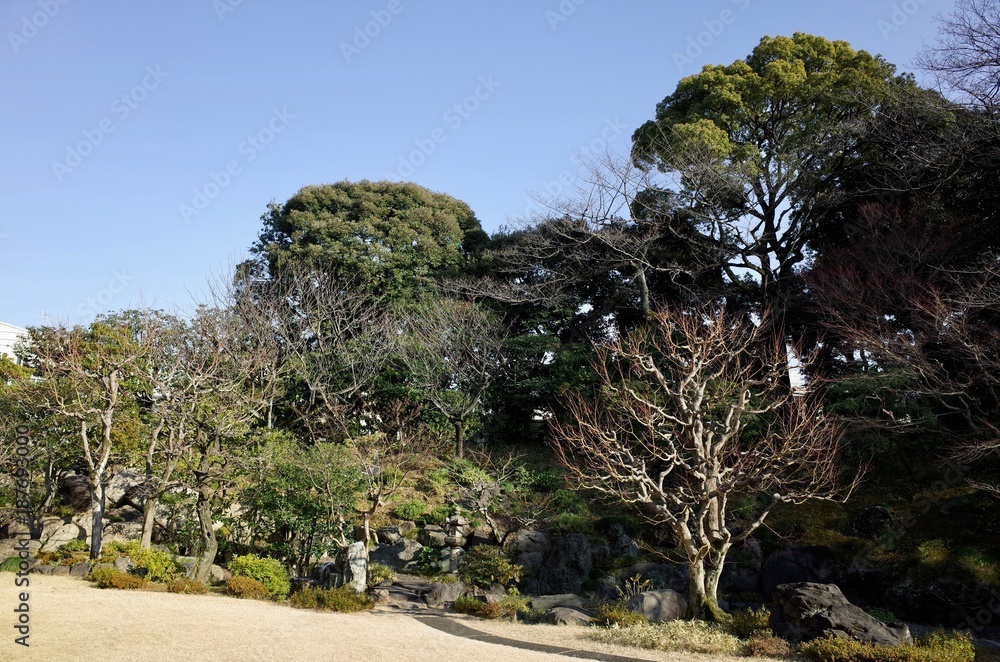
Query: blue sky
[(143, 140)]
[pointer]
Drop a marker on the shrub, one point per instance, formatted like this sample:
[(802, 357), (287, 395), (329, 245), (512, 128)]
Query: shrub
[(883, 615), (341, 599), (11, 564), (410, 510), (935, 647), (515, 604), (485, 565), (751, 623), (570, 523), (617, 615), (767, 647), (247, 588), (160, 566), (380, 575), (467, 604), (438, 515), (188, 586), (267, 571), (673, 636), (114, 578), (74, 546)]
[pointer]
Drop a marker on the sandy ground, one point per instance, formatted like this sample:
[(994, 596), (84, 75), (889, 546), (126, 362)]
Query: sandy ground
[(72, 620)]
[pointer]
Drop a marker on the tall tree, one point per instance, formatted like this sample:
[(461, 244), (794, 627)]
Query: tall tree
[(690, 415)]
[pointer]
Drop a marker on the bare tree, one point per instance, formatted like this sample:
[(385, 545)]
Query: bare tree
[(453, 351), (966, 56), (690, 415)]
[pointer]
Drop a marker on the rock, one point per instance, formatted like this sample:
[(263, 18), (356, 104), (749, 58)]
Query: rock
[(659, 574), (547, 602), (451, 558), (566, 616), (389, 535), (79, 570), (530, 562), (75, 492), (122, 485), (527, 541), (607, 588), (661, 605), (124, 563), (619, 542), (59, 571), (739, 579), (432, 536), (812, 564), (406, 526), (349, 568), (804, 610), (43, 569), (481, 538), (381, 595), (566, 565), (872, 522), (217, 574), (442, 594), (396, 556), (301, 583), (14, 546), (944, 601), (54, 537)]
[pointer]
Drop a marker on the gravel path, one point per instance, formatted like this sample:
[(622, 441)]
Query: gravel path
[(72, 620)]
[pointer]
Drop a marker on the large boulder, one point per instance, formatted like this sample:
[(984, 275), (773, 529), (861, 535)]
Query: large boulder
[(397, 555), (442, 594), (803, 611), (57, 533), (813, 564), (526, 541), (620, 543), (349, 568), (739, 579), (75, 492), (659, 574), (661, 605), (547, 602), (566, 565), (432, 536), (566, 616)]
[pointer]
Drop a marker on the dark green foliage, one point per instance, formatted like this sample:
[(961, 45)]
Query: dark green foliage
[(341, 599), (114, 578), (159, 566), (751, 623), (269, 572), (564, 523), (11, 564), (247, 588), (74, 546), (485, 565), (410, 510)]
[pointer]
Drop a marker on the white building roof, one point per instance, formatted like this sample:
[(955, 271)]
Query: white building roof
[(9, 335)]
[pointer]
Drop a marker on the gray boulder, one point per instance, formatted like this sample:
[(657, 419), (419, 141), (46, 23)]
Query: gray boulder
[(566, 616), (739, 579), (805, 611), (349, 568), (566, 565), (812, 564), (619, 542), (432, 536), (397, 555), (389, 535), (662, 605), (79, 570), (443, 594), (530, 562), (525, 541), (56, 532), (547, 602)]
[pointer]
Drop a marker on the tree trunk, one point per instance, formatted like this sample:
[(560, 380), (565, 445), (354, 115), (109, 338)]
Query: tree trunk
[(703, 586), (97, 522), (459, 439), (148, 520), (209, 545)]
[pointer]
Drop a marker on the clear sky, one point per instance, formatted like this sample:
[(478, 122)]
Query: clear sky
[(142, 140)]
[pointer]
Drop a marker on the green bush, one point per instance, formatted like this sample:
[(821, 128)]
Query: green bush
[(485, 565), (570, 523), (467, 604), (74, 546), (935, 647), (267, 571), (438, 515), (160, 566), (883, 615), (114, 578), (410, 510), (380, 575), (247, 588), (751, 623), (11, 564), (341, 599), (616, 615), (189, 586)]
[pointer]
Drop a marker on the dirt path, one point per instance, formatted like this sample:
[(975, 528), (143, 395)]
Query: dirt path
[(72, 620)]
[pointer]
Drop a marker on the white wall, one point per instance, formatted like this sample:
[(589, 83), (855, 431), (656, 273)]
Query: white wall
[(8, 337)]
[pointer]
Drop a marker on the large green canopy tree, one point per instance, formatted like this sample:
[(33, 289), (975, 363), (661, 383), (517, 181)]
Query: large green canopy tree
[(753, 147), (393, 237)]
